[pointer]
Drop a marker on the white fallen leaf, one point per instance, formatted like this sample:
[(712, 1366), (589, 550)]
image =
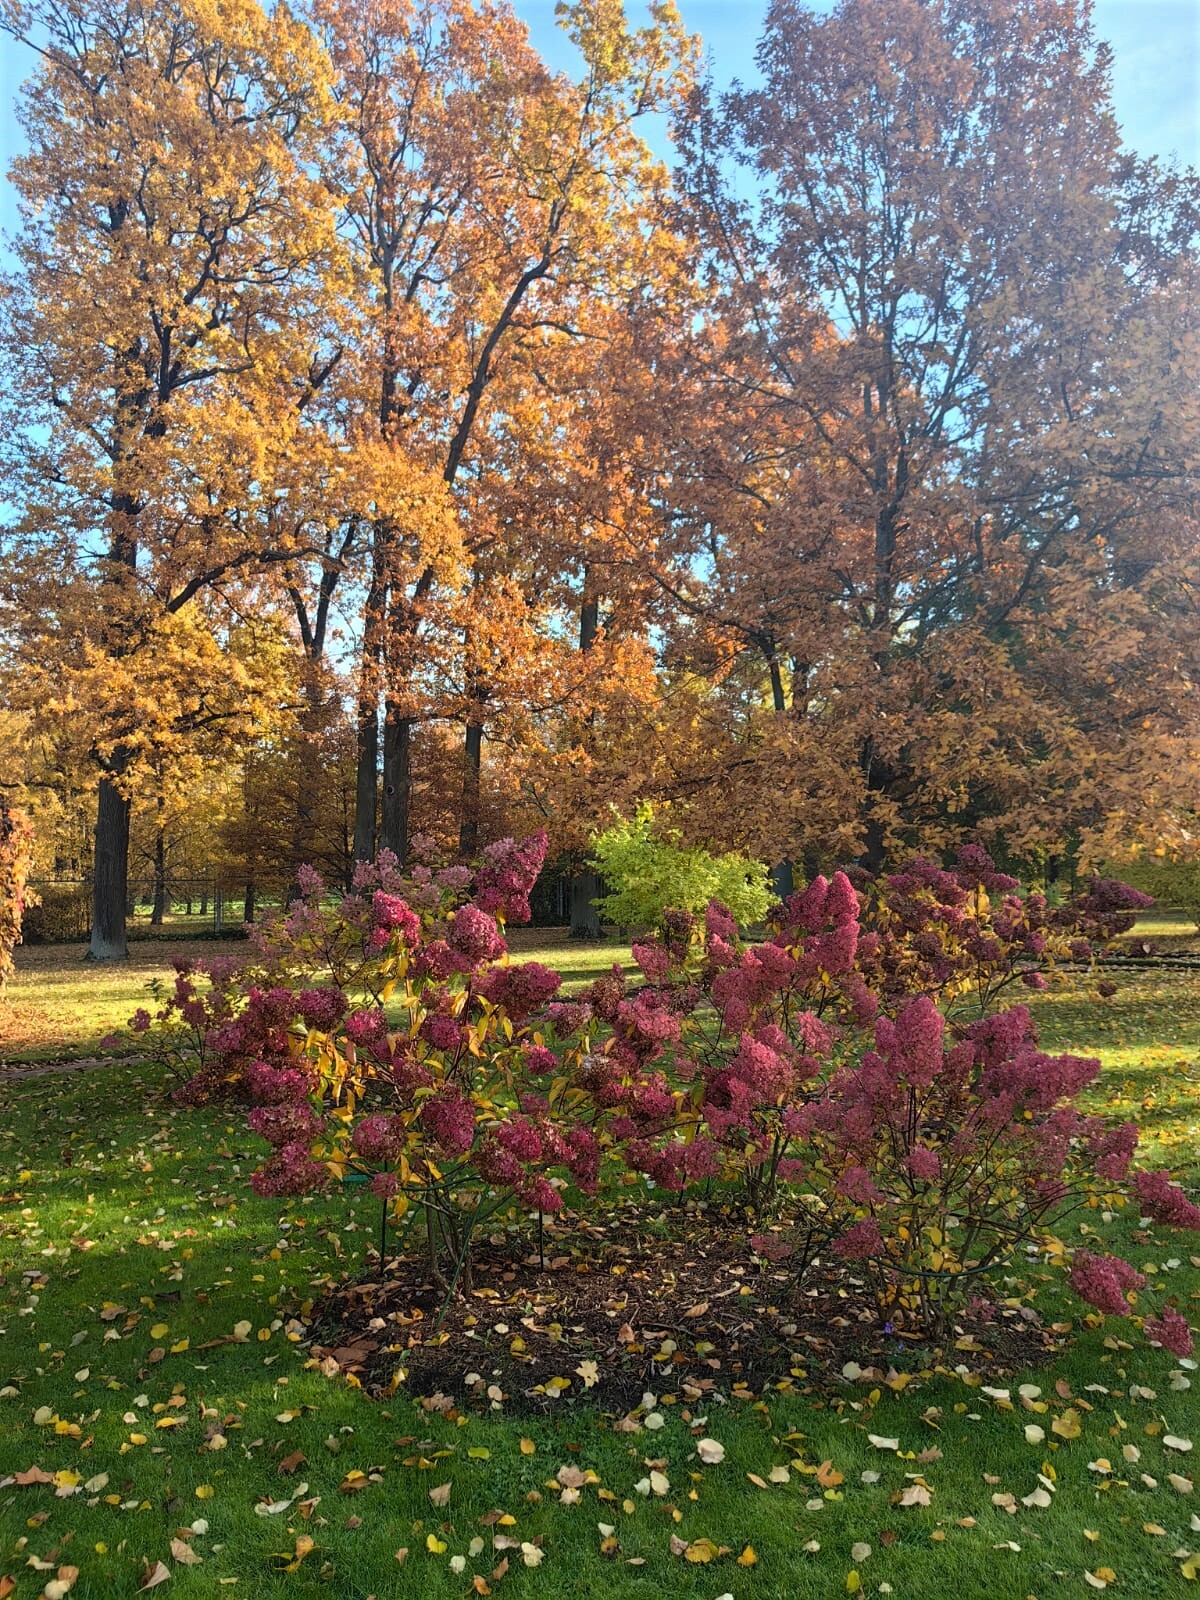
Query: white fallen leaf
[(1172, 1441), (859, 1552), (710, 1451), (883, 1444), (1034, 1434)]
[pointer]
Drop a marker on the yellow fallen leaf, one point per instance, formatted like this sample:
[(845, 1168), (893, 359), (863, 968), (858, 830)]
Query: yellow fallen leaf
[(1068, 1425), (700, 1552)]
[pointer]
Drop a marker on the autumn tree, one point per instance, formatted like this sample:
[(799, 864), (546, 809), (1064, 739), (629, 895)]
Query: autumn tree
[(173, 238), (944, 282), (491, 205)]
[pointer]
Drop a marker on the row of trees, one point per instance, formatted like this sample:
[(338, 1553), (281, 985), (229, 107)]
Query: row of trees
[(392, 442)]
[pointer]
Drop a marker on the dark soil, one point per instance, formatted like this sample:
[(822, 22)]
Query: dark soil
[(686, 1311)]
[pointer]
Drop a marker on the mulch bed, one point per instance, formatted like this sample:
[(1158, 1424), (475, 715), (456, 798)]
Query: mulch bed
[(686, 1313)]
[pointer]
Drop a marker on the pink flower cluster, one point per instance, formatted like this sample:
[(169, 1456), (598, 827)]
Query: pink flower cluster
[(505, 879), (1103, 1281), (476, 935), (1170, 1330), (1165, 1201)]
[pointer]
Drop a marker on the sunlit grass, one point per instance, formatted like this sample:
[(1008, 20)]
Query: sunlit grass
[(60, 1006)]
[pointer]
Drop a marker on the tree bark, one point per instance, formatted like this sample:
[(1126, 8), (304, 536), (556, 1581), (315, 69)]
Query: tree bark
[(158, 909), (783, 877), (110, 875), (366, 778), (248, 903), (366, 772), (585, 918), (397, 781), (307, 773), (585, 884), (468, 832)]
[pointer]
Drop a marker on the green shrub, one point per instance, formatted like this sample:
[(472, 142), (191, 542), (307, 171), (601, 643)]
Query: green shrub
[(650, 871)]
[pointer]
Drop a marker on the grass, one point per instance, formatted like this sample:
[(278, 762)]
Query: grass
[(131, 1251), (61, 1007)]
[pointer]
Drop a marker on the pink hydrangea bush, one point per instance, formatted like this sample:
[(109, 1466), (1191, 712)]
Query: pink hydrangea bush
[(846, 1086)]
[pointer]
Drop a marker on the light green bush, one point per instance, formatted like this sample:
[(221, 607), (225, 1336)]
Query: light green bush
[(650, 871)]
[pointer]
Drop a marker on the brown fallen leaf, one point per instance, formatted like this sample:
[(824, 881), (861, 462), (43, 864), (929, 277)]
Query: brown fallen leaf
[(292, 1463), (34, 1475), (441, 1495), (155, 1575)]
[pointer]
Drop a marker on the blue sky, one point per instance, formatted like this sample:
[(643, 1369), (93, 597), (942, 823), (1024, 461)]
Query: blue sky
[(1156, 72)]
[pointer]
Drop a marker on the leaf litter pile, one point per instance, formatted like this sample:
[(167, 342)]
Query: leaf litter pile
[(598, 1311)]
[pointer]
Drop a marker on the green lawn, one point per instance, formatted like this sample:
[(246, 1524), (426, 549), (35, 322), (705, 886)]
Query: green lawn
[(61, 1007), (148, 1357)]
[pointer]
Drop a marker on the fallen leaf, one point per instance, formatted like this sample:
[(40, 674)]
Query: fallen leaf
[(916, 1494), (1068, 1425)]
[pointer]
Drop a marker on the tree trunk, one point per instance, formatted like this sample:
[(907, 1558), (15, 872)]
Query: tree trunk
[(468, 832), (158, 908), (783, 877), (308, 774), (110, 875), (585, 884), (366, 778), (397, 781), (249, 901), (783, 880), (585, 918), (366, 781)]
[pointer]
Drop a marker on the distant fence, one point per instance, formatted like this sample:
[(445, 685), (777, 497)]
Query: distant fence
[(199, 908), (192, 908)]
